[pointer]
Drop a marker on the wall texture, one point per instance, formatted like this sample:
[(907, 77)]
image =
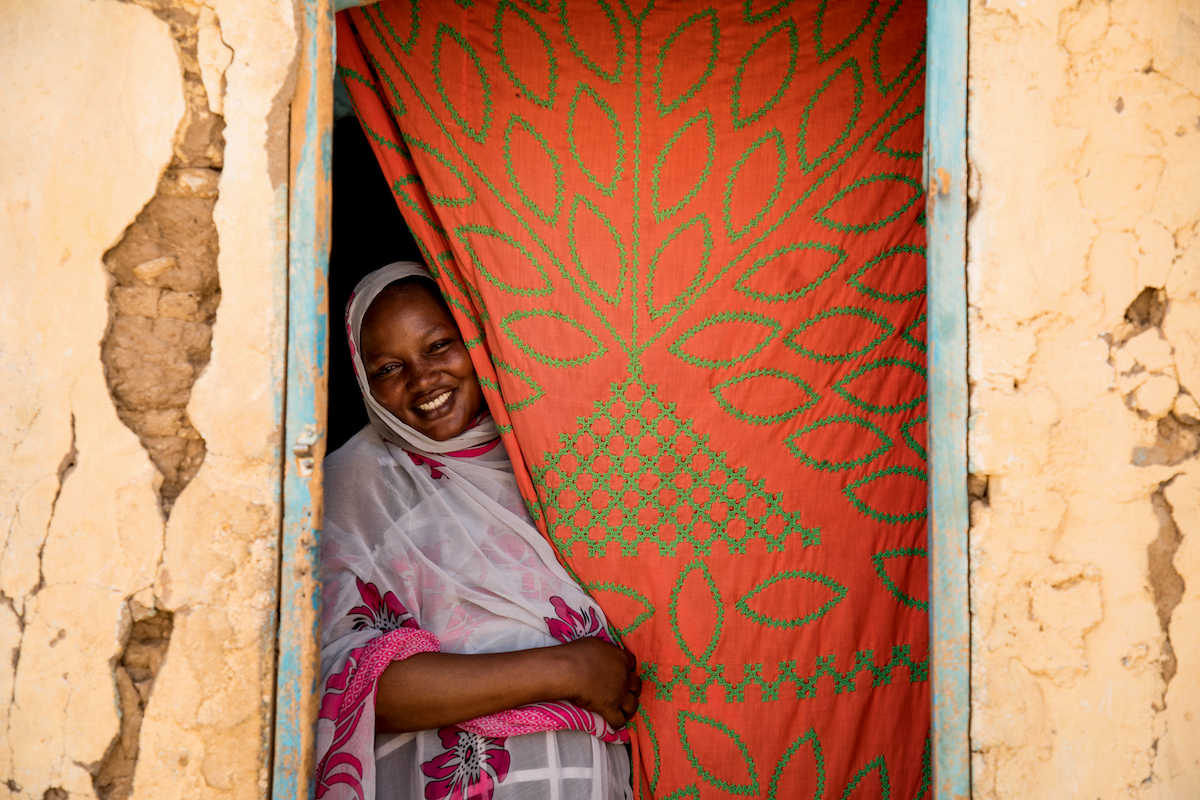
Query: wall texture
[(1084, 290), (143, 222)]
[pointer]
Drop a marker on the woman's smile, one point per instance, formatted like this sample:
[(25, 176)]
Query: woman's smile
[(416, 363), (435, 403)]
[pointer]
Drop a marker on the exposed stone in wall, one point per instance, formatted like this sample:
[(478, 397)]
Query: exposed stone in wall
[(165, 289), (1084, 293), (135, 671)]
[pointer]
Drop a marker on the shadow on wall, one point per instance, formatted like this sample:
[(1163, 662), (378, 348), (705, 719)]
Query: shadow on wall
[(368, 232)]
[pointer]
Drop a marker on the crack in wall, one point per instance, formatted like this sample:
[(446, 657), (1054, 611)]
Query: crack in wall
[(1166, 584), (135, 672), (164, 288)]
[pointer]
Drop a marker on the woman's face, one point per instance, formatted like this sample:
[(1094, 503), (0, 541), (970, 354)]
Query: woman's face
[(417, 365)]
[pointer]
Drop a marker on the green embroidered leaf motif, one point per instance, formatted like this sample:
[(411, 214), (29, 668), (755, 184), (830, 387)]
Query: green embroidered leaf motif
[(910, 130), (796, 783), (906, 430), (516, 397), (563, 341), (697, 592), (852, 440), (915, 334), (409, 190), (471, 87), (725, 339), (679, 80), (622, 604), (675, 171), (821, 35), (893, 495), (728, 755), (765, 396), (839, 334), (527, 154), (643, 718), (517, 33), (689, 244), (878, 766), (751, 16), (595, 246), (868, 194), (604, 53), (779, 598), (686, 793), (746, 187), (842, 89), (507, 256), (755, 76), (438, 173), (900, 275), (877, 45), (414, 26), (881, 386), (781, 276), (603, 128), (921, 572)]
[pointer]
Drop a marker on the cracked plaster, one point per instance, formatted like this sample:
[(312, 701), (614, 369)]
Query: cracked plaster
[(92, 119), (1084, 142)]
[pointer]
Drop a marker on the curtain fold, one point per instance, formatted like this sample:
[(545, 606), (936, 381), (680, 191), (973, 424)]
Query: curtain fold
[(685, 242)]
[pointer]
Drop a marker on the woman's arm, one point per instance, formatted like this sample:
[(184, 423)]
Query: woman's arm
[(431, 690)]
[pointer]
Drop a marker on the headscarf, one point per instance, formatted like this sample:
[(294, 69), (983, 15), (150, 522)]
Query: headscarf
[(428, 546), (385, 423)]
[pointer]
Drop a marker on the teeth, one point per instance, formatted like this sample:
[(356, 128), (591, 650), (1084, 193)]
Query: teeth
[(436, 402)]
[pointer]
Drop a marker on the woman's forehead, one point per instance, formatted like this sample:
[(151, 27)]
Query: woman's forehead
[(406, 312)]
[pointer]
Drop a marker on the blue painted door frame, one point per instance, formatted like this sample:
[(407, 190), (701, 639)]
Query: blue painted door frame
[(946, 180), (946, 206)]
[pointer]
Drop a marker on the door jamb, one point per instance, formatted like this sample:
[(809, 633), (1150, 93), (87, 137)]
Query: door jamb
[(946, 209), (310, 150)]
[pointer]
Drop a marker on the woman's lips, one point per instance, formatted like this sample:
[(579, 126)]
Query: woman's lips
[(436, 403)]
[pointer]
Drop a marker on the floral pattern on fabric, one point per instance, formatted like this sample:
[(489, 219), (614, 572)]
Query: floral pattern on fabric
[(471, 766), (383, 613), (571, 624), (349, 701)]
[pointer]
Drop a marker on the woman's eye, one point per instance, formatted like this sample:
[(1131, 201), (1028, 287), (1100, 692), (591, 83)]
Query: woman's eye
[(385, 370)]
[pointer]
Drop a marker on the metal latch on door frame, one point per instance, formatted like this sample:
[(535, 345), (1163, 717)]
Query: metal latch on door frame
[(303, 449)]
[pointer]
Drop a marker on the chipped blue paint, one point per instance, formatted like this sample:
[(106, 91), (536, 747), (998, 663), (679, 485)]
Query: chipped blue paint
[(946, 179), (298, 670)]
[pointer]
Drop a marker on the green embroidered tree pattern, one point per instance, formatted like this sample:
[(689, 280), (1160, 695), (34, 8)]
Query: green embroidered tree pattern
[(685, 243)]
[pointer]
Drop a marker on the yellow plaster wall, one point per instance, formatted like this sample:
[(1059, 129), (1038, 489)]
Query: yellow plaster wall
[(1084, 143), (93, 104)]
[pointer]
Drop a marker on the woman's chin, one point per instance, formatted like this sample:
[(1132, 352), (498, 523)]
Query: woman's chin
[(443, 426)]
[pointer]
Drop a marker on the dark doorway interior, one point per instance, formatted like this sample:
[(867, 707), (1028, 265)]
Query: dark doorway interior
[(368, 232)]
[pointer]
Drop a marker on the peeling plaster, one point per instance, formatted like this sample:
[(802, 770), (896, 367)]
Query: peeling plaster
[(1084, 328), (118, 109)]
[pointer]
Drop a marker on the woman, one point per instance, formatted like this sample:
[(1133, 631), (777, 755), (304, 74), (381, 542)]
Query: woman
[(458, 658)]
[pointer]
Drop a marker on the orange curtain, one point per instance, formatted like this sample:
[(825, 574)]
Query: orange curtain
[(685, 241)]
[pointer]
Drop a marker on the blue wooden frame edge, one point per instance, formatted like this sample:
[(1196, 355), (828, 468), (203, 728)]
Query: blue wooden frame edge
[(298, 662), (946, 199)]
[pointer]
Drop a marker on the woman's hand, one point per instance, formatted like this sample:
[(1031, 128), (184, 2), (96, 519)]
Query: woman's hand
[(605, 679)]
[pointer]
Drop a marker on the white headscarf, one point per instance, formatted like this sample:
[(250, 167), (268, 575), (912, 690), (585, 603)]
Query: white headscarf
[(387, 424)]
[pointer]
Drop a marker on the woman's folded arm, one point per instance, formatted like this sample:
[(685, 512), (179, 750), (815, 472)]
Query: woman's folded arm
[(431, 690)]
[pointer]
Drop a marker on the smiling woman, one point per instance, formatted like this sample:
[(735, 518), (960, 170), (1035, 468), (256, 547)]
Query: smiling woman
[(449, 629)]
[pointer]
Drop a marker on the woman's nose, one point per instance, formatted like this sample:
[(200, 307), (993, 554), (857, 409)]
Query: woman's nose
[(421, 375)]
